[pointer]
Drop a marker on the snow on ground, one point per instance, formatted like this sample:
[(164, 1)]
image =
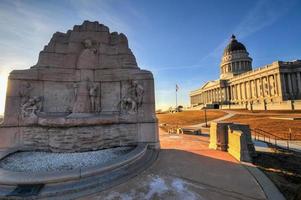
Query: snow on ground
[(38, 161), (158, 187)]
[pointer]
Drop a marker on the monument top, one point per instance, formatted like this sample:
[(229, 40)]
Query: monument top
[(89, 46)]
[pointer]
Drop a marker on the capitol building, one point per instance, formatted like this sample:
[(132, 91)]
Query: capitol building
[(276, 86)]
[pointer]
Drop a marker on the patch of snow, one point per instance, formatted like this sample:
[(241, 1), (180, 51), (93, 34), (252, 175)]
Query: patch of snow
[(38, 161), (117, 195), (182, 191), (156, 186)]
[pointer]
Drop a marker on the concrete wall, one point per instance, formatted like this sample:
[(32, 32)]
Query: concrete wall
[(240, 144), (234, 138)]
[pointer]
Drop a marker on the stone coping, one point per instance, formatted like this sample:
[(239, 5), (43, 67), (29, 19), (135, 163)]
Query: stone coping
[(15, 178), (82, 119)]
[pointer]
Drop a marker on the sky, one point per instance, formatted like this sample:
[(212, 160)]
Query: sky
[(181, 42)]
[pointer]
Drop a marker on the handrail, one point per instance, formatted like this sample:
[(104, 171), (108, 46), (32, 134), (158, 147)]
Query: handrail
[(261, 135), (269, 134)]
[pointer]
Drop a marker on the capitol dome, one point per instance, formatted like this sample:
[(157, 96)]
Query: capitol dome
[(234, 45), (235, 59)]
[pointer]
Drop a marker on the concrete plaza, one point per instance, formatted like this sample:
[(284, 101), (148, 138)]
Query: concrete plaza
[(187, 169)]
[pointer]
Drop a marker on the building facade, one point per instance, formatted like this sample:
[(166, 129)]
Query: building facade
[(276, 86)]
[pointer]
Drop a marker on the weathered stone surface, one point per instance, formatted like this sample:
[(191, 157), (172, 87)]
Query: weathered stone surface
[(35, 138), (110, 91), (240, 142), (234, 138), (10, 138), (77, 139), (86, 92), (219, 135)]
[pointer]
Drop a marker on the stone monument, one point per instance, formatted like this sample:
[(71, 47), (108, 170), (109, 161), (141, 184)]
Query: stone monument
[(85, 93)]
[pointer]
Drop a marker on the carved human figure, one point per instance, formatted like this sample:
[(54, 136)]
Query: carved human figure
[(82, 98), (133, 99), (31, 107), (75, 87), (93, 97), (138, 92), (88, 57)]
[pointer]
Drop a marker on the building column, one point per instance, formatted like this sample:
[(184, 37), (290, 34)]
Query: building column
[(269, 86), (283, 85), (250, 90), (290, 88), (261, 87), (255, 88), (299, 82), (276, 85)]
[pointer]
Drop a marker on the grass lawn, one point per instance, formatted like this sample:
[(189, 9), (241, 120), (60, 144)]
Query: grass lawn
[(188, 117), (277, 127)]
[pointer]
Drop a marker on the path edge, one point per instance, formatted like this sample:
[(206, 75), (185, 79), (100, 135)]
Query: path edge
[(268, 187)]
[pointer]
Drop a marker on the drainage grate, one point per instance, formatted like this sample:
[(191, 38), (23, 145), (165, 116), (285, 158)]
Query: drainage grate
[(26, 190)]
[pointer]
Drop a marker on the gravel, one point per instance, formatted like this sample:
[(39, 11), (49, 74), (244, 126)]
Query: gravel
[(38, 161)]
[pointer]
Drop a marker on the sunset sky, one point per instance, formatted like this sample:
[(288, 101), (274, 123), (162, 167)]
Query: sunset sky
[(181, 42)]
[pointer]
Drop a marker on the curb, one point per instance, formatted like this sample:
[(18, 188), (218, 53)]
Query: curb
[(268, 187)]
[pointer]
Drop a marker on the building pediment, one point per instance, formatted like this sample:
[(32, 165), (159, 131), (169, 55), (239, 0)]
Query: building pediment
[(209, 84)]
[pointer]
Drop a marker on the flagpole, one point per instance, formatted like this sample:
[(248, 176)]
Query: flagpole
[(176, 97)]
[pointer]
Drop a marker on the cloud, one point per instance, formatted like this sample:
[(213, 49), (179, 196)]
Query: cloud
[(108, 12), (25, 28), (262, 15)]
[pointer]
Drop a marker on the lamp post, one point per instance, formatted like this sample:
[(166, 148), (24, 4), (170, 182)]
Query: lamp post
[(205, 113)]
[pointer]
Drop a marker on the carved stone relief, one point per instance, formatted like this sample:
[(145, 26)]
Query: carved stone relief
[(88, 58), (31, 107), (86, 95), (133, 98)]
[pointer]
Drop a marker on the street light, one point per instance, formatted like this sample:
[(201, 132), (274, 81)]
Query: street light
[(206, 125)]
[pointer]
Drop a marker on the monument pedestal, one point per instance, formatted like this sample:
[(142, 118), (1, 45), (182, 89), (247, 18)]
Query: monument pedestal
[(85, 93)]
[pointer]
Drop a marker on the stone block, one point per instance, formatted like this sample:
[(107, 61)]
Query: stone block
[(146, 113), (86, 74), (219, 135), (110, 96), (61, 47), (51, 59), (74, 47), (27, 74), (109, 61), (58, 96), (149, 91), (99, 37), (35, 138), (10, 137), (55, 74), (12, 111), (148, 132), (70, 61), (238, 146), (13, 88)]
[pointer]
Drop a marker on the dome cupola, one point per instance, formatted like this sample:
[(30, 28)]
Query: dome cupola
[(234, 45), (235, 59)]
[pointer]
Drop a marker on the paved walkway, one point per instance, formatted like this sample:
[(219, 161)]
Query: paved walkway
[(202, 127), (187, 169), (294, 145)]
